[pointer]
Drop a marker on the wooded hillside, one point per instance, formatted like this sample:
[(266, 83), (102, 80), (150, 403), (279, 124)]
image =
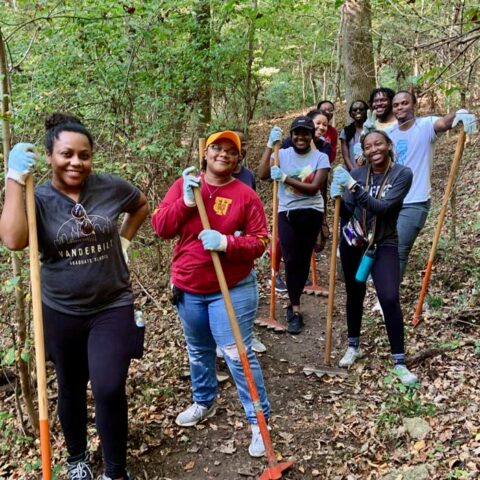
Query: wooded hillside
[(149, 78)]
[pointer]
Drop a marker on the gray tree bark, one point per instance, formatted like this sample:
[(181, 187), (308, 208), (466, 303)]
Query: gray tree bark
[(357, 50)]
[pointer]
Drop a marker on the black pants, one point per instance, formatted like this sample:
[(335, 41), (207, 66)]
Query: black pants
[(96, 348), (298, 231), (386, 278)]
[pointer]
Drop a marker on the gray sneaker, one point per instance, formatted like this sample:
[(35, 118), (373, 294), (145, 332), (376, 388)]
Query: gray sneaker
[(80, 469), (408, 378), (350, 357), (257, 345), (256, 447), (194, 414)]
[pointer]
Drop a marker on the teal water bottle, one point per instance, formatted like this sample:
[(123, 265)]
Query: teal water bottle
[(365, 266)]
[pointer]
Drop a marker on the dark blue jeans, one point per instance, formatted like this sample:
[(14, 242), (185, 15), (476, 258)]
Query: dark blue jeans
[(97, 348)]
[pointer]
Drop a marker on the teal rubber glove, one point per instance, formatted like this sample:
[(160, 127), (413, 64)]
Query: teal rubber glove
[(21, 161), (369, 123), (189, 183), (468, 119), (343, 178), (213, 240), (277, 174), (274, 137)]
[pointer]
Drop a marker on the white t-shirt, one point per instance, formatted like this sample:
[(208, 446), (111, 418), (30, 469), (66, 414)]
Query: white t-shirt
[(303, 168), (414, 148)]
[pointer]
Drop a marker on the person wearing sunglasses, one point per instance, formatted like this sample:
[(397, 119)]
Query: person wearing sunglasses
[(351, 134), (88, 314), (239, 234)]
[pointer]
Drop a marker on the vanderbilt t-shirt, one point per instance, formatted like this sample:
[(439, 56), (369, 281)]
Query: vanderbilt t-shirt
[(83, 269)]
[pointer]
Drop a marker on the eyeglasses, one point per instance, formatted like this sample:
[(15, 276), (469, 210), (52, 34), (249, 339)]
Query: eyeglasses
[(79, 213), (231, 152), (358, 109)]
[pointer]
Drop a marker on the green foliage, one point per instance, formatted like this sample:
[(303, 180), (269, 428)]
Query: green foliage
[(401, 401)]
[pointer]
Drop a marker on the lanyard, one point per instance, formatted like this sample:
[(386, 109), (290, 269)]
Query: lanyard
[(368, 185)]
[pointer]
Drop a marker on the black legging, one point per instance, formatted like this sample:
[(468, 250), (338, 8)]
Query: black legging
[(97, 348), (386, 277), (298, 231)]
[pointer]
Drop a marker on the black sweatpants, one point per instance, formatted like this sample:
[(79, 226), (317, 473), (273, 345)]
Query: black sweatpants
[(298, 231), (97, 348), (386, 278)]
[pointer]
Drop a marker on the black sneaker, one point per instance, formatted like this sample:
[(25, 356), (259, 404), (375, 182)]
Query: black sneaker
[(79, 469), (295, 324), (280, 287)]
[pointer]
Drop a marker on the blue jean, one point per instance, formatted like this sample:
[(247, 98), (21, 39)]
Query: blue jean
[(410, 222), (206, 325)]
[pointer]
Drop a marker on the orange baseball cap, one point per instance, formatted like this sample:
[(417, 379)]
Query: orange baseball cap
[(228, 135)]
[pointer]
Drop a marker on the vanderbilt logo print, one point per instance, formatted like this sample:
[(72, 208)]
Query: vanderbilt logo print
[(220, 207)]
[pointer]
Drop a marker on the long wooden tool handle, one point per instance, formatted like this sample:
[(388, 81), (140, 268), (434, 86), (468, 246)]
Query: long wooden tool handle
[(38, 331), (331, 283), (438, 230), (273, 272)]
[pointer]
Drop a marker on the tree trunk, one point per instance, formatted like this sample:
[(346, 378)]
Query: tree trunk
[(21, 323), (249, 100), (202, 15), (357, 48)]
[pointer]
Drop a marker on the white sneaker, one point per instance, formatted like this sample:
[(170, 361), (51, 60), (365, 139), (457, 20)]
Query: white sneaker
[(257, 345), (408, 378), (256, 447), (193, 414), (350, 357)]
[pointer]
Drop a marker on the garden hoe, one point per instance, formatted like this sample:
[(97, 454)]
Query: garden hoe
[(38, 332), (274, 469), (315, 288), (328, 369), (270, 321), (417, 318)]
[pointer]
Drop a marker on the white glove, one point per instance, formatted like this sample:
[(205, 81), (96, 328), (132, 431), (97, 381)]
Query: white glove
[(468, 119), (125, 246)]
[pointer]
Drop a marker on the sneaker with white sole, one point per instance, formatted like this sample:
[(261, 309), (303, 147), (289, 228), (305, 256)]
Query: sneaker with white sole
[(280, 286), (80, 469), (256, 447), (408, 378), (350, 357), (194, 414), (257, 345), (104, 477)]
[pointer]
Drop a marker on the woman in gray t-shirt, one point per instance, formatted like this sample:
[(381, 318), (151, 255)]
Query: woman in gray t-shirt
[(90, 332)]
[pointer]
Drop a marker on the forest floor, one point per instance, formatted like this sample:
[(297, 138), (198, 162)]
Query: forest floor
[(337, 428)]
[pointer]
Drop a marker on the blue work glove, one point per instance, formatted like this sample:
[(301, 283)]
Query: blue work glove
[(336, 190), (21, 161), (213, 240), (340, 181), (369, 123), (277, 174), (189, 183), (274, 137), (468, 119)]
